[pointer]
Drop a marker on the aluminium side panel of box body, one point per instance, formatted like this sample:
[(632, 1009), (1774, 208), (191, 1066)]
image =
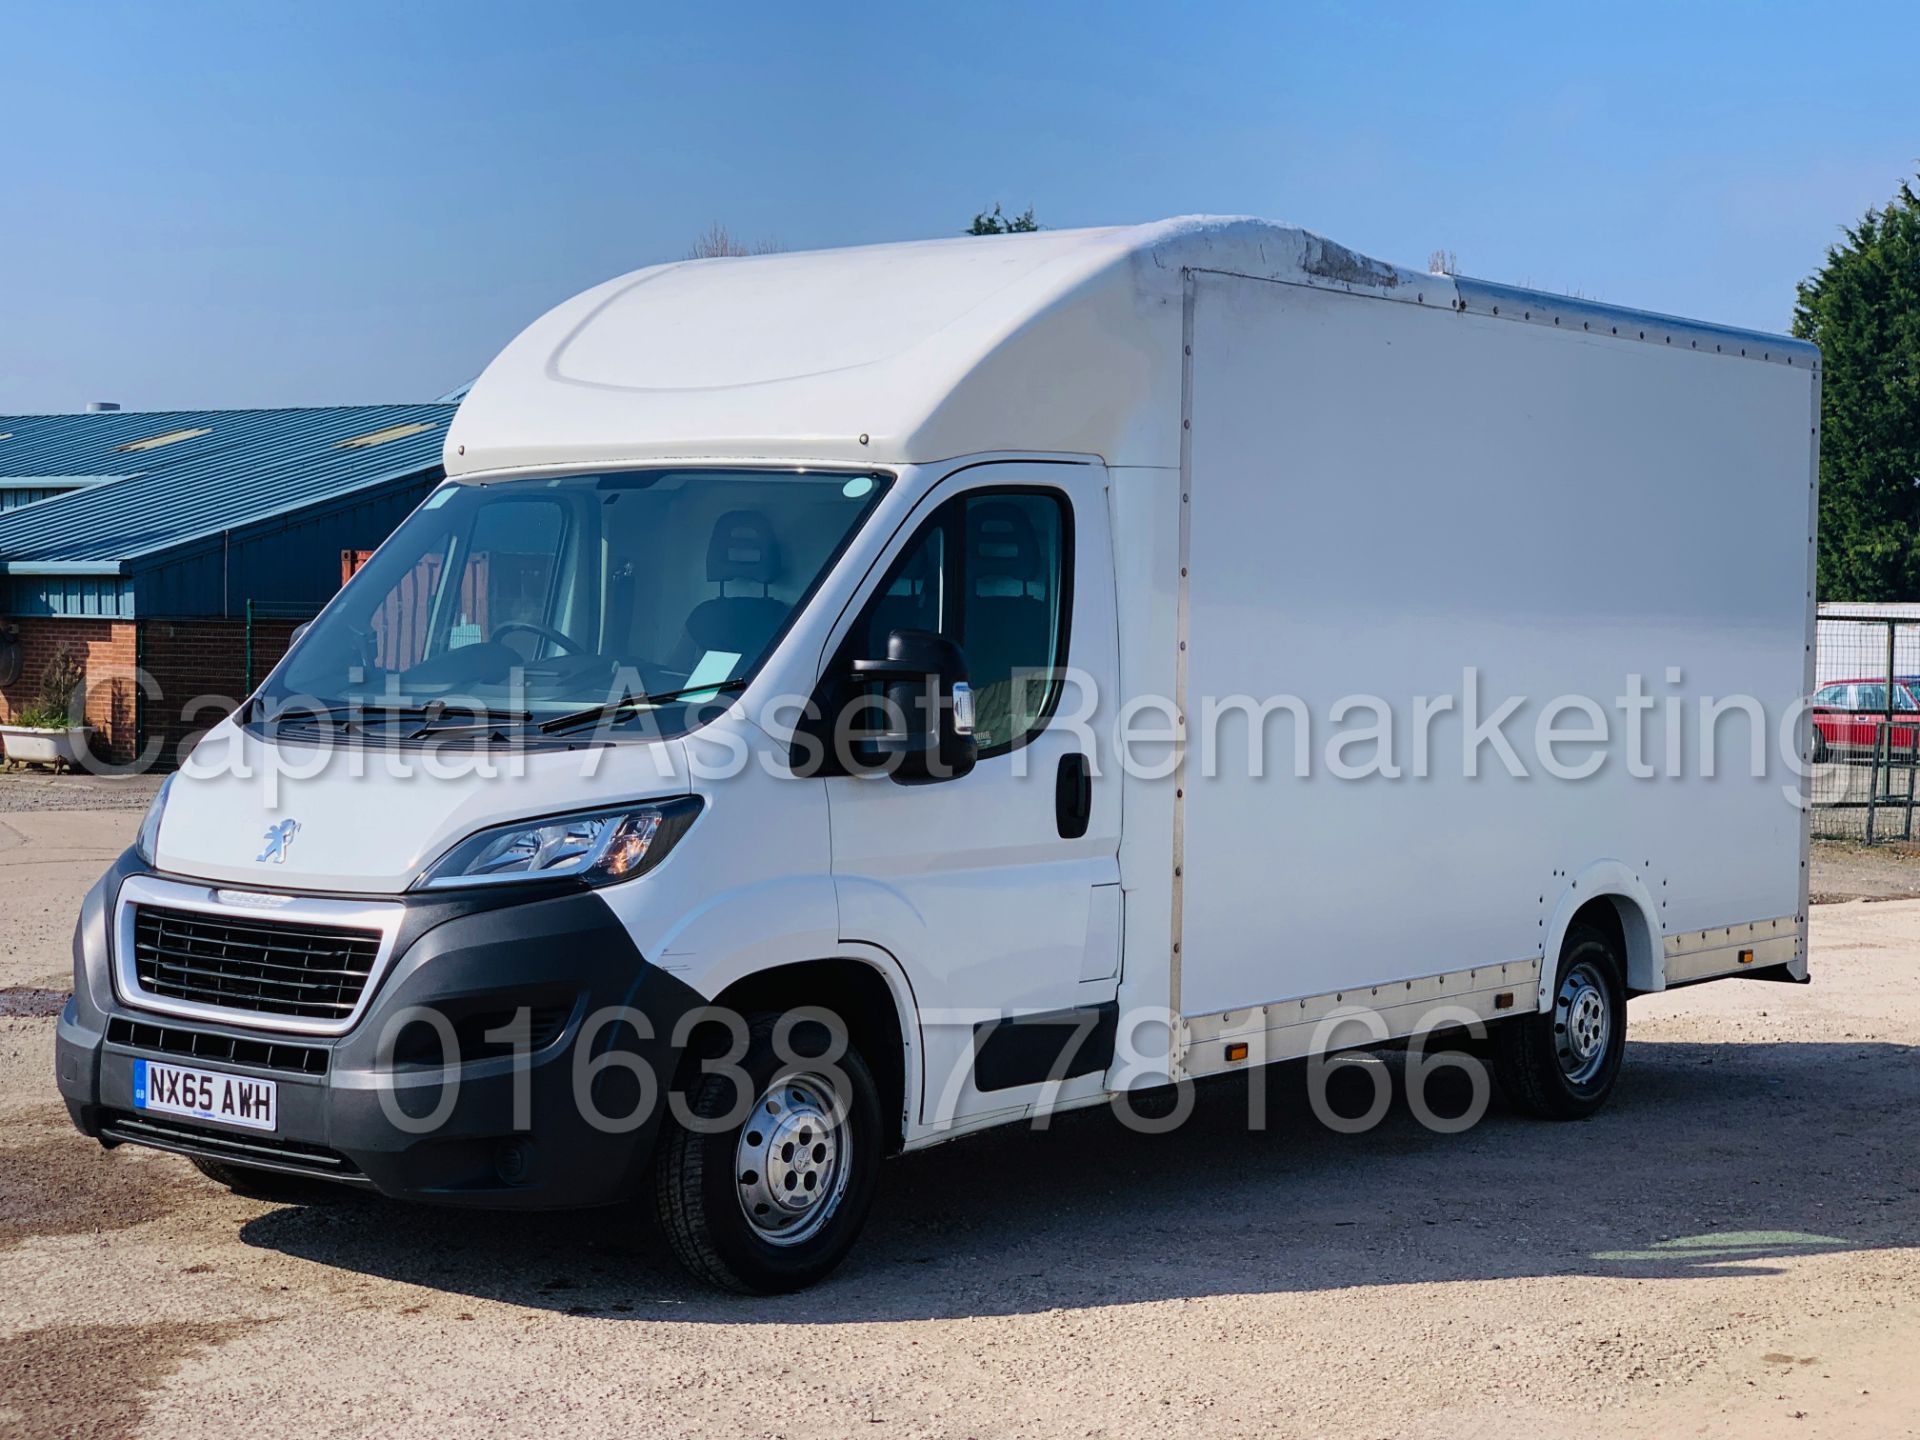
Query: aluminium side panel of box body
[(1394, 500)]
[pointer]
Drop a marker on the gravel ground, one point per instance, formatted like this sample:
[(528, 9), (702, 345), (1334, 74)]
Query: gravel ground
[(47, 862), (37, 790), (1844, 870), (1728, 1250)]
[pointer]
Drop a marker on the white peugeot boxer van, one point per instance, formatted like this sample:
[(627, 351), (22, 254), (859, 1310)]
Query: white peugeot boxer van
[(841, 701)]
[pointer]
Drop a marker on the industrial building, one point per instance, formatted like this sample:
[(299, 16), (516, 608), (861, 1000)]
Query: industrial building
[(176, 551)]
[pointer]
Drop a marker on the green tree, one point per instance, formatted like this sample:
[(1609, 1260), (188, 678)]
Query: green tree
[(1863, 310), (998, 224)]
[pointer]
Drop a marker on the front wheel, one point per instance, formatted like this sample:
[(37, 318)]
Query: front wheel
[(769, 1197), (1562, 1063)]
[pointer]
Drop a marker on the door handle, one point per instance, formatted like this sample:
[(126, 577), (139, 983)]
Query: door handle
[(1073, 796)]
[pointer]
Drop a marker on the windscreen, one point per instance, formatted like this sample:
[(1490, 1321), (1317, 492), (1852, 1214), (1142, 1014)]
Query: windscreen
[(531, 600)]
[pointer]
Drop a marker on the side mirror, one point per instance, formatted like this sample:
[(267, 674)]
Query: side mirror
[(298, 631), (928, 706)]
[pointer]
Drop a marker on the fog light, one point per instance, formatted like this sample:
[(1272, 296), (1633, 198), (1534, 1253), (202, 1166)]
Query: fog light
[(513, 1161)]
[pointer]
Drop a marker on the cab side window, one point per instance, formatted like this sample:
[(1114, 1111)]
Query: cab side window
[(1013, 611), (913, 596), (991, 570)]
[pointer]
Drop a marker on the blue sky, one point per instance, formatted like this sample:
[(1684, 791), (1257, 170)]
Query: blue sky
[(326, 202)]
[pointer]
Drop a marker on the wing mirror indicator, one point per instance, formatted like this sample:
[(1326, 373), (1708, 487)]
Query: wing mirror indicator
[(963, 707)]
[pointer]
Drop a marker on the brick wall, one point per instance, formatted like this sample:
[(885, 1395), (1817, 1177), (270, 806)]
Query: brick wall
[(198, 673), (108, 648)]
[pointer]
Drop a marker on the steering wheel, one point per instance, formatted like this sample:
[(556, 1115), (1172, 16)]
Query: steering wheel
[(568, 646)]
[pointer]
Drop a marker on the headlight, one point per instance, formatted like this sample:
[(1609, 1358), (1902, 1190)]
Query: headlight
[(146, 843), (599, 847)]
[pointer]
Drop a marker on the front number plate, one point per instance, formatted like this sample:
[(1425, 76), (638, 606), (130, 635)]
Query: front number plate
[(205, 1095)]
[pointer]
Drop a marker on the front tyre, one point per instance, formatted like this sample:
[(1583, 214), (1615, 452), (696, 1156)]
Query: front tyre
[(1562, 1064), (772, 1203)]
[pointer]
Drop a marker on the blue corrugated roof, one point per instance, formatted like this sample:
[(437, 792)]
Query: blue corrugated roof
[(249, 466)]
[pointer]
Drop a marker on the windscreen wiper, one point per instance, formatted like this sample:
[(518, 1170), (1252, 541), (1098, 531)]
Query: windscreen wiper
[(634, 702), (352, 715), (343, 715), (477, 720)]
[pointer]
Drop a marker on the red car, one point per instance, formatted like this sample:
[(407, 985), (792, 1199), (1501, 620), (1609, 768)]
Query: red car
[(1849, 715)]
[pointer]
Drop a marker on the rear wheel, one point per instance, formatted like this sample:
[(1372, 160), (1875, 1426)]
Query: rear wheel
[(773, 1202), (1562, 1064)]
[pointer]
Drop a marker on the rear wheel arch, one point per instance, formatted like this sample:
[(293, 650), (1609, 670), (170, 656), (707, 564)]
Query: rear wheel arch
[(1619, 900)]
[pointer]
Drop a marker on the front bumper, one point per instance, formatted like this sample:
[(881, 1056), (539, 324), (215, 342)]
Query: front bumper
[(555, 1127)]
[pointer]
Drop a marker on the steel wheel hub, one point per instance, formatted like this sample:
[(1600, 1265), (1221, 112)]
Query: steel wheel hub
[(792, 1161), (1582, 1024)]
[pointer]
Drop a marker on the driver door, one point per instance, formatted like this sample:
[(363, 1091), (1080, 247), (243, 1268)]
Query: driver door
[(998, 891)]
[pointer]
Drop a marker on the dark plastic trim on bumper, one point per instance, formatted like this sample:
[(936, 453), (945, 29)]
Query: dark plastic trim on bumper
[(122, 1128)]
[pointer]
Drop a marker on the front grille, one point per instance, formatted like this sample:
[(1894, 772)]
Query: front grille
[(248, 1149), (316, 972), (226, 1049)]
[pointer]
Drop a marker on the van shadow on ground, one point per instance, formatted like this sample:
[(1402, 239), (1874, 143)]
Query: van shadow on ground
[(1711, 1160)]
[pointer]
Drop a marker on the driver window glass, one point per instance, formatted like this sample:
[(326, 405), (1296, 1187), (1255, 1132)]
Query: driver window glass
[(1015, 623), (913, 596), (989, 571)]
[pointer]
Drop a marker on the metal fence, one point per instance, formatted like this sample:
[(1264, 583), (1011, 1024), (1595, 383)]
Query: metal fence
[(270, 626), (1865, 733)]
